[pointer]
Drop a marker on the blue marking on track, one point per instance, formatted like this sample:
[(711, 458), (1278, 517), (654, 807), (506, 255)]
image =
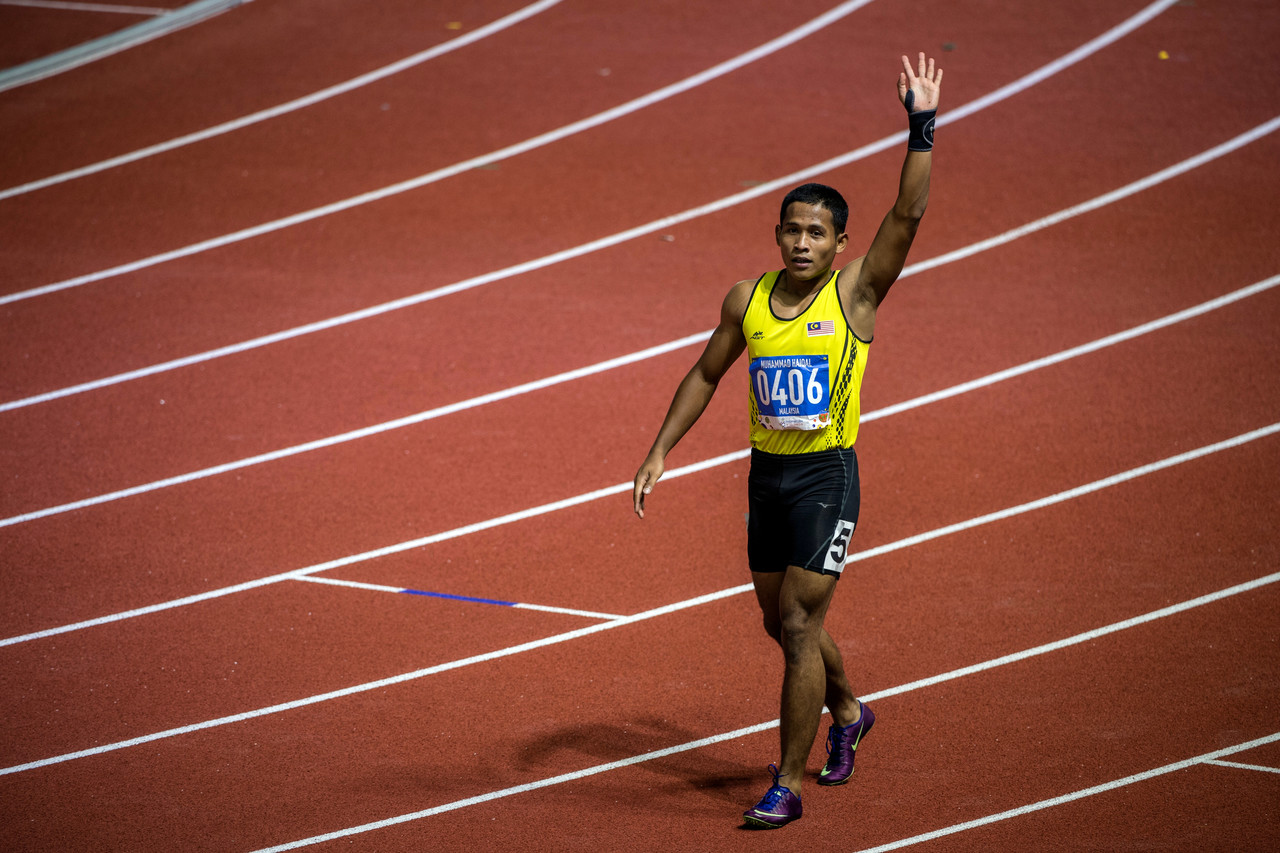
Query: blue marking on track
[(459, 597)]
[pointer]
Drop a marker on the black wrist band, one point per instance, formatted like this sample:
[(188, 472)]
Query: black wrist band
[(920, 130)]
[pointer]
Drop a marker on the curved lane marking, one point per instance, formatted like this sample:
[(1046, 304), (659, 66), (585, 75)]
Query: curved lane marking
[(623, 488), (290, 106), (88, 7), (1049, 500), (530, 144), (605, 242), (1207, 758), (650, 352), (92, 51)]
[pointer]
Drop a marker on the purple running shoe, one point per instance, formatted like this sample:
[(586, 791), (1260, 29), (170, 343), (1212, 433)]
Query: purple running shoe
[(778, 808), (842, 742)]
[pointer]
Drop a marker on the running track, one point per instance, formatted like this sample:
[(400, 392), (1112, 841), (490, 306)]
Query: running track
[(1064, 605)]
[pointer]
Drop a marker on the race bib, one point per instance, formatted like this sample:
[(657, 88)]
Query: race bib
[(792, 391)]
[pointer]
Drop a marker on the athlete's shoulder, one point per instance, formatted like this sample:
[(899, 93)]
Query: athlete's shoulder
[(738, 298), (849, 282), (857, 298), (748, 285)]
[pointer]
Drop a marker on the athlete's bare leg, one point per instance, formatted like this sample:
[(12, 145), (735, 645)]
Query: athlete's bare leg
[(794, 604)]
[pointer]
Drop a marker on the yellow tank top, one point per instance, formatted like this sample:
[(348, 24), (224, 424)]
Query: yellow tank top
[(806, 373)]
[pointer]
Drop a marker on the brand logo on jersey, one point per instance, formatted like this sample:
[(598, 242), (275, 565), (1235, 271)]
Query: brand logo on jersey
[(757, 336), (823, 327)]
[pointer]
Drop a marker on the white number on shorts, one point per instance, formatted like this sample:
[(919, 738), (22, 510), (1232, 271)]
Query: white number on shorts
[(839, 547)]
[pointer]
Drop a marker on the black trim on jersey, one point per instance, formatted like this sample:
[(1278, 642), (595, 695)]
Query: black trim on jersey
[(841, 384), (755, 413), (846, 319), (751, 298)]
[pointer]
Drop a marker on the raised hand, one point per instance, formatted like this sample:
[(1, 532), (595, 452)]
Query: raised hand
[(919, 90)]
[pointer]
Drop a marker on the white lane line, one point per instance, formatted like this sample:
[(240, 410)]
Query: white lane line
[(1084, 349), (567, 611), (1206, 758), (1191, 163), (365, 432), (690, 340), (1237, 765), (290, 106), (108, 45), (761, 727), (622, 488), (548, 260), (374, 685), (87, 7), (1057, 645), (1030, 506), (577, 127), (587, 248), (374, 587), (641, 355), (513, 605), (530, 144), (368, 555)]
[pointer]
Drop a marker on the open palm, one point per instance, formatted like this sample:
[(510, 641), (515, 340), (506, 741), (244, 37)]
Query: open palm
[(923, 85)]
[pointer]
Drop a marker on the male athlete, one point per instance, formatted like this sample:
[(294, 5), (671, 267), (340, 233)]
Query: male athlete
[(807, 331)]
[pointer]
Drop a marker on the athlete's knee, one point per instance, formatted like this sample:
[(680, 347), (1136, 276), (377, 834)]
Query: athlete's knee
[(801, 632)]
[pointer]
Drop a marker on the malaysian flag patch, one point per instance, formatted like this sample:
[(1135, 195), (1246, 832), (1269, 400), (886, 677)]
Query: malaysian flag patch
[(824, 327)]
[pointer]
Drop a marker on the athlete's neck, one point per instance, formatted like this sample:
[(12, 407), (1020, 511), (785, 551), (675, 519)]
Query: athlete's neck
[(800, 290)]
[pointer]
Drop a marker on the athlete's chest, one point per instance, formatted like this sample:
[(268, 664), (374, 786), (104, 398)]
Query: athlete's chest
[(815, 329)]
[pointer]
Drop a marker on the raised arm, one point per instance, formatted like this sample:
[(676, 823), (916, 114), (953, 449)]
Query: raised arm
[(874, 273), (696, 389)]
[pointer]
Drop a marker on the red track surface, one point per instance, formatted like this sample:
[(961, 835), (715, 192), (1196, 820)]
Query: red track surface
[(945, 752)]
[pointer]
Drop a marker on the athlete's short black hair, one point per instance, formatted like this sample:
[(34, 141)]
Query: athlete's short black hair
[(819, 195)]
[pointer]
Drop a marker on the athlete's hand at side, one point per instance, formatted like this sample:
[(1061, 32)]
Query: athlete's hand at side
[(646, 477), (693, 395), (924, 85)]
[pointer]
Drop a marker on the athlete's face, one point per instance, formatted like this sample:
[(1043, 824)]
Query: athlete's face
[(809, 242)]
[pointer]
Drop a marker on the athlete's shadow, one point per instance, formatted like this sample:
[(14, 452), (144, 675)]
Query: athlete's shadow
[(646, 743)]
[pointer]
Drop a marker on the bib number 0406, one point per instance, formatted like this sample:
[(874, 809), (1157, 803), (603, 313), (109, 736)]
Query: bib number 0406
[(791, 392), (795, 390)]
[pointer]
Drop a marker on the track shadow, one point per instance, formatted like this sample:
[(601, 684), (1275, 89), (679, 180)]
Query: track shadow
[(591, 744)]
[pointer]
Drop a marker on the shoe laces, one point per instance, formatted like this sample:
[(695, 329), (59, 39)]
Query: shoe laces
[(775, 793), (835, 737)]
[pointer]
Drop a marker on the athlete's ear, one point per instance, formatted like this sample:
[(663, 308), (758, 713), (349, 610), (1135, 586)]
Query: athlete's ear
[(841, 242), (777, 234)]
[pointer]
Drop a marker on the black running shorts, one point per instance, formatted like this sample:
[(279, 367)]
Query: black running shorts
[(803, 509)]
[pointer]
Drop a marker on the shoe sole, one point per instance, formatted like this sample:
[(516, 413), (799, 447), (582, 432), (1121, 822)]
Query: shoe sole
[(757, 823)]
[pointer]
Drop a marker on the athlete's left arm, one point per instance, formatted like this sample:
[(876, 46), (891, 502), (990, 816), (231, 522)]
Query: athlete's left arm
[(871, 276)]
